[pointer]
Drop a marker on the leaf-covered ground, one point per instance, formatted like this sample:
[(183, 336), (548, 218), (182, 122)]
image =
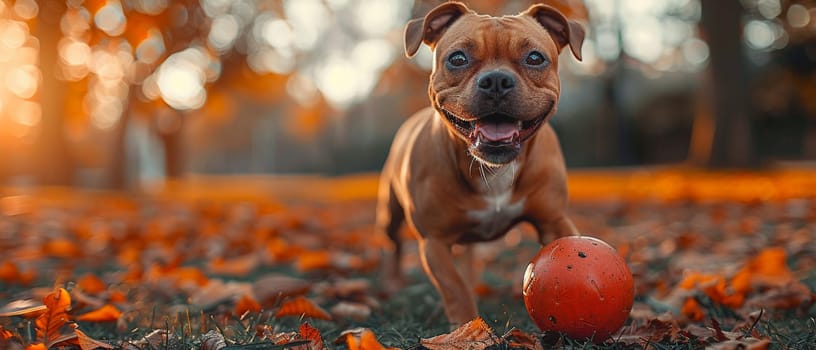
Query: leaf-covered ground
[(721, 260)]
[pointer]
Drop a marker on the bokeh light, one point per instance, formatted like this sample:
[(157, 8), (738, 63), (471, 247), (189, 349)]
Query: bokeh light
[(111, 18), (798, 16), (181, 78)]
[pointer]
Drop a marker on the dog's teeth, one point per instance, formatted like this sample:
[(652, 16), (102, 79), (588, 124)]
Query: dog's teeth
[(519, 124)]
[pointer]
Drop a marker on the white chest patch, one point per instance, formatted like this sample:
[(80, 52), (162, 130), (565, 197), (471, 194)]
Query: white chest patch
[(499, 212)]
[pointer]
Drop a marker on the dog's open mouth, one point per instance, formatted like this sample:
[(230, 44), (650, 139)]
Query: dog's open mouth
[(495, 128), (495, 139)]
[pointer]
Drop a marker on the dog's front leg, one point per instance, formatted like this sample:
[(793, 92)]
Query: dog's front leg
[(554, 228), (457, 298)]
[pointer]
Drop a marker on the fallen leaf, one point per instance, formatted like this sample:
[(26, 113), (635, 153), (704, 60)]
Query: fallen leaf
[(246, 304), (659, 329), (794, 295), (213, 340), (693, 310), (307, 332), (91, 284), (302, 307), (25, 308), (36, 346), (752, 344), (473, 335), (88, 343), (360, 339), (349, 310), (49, 325), (768, 268), (518, 339), (107, 313), (218, 292), (271, 288), (240, 266), (5, 334)]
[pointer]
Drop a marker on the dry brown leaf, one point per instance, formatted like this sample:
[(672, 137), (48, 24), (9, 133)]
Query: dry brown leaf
[(26, 308), (88, 343), (518, 339), (302, 307), (213, 340), (272, 288), (91, 284), (49, 325), (349, 310), (661, 328), (307, 332), (473, 335), (218, 292), (246, 304), (239, 266), (107, 313), (752, 344), (790, 296)]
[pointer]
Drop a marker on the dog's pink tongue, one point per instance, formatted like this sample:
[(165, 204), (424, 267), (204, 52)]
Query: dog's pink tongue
[(497, 131)]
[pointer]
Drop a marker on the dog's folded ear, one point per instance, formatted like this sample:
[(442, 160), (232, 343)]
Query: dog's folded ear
[(430, 28), (563, 31)]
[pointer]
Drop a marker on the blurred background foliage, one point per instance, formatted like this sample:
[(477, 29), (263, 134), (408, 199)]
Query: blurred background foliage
[(121, 93)]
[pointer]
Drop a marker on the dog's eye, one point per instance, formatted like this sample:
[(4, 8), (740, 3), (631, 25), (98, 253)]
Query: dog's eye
[(535, 58), (457, 59)]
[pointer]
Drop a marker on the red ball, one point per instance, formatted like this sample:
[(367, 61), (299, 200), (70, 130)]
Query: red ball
[(579, 286)]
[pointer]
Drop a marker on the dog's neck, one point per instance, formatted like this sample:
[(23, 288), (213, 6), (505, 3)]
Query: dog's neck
[(479, 177)]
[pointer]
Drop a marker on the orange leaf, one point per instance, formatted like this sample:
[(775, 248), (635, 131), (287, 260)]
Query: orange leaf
[(107, 313), (9, 272), (307, 332), (88, 343), (246, 303), (475, 334), (49, 324), (36, 346), (300, 306), (360, 339), (314, 260), (692, 310), (769, 268), (91, 284), (5, 334)]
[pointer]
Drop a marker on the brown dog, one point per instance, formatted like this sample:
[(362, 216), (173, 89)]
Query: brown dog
[(483, 158)]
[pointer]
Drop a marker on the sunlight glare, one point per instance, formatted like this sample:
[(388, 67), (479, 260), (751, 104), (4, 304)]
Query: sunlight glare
[(111, 19), (26, 9), (151, 48), (309, 19), (769, 9), (643, 39), (13, 34), (759, 34), (22, 81), (375, 17), (107, 111), (28, 113), (74, 53), (695, 51), (798, 16), (181, 82), (223, 32), (302, 89), (277, 33), (271, 60), (375, 54)]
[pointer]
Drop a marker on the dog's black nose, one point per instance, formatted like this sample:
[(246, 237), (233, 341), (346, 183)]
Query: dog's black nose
[(496, 83)]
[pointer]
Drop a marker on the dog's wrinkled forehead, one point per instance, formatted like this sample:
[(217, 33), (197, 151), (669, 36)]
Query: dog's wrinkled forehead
[(490, 35)]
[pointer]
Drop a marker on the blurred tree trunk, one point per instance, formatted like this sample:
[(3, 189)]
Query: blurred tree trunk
[(722, 131), (170, 127), (53, 162)]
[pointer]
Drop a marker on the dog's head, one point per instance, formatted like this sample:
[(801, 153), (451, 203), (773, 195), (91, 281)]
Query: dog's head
[(494, 79)]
